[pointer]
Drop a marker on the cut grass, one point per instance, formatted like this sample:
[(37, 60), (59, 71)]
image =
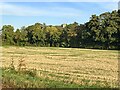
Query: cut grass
[(64, 67)]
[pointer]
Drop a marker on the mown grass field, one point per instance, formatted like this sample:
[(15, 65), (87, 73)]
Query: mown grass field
[(61, 67)]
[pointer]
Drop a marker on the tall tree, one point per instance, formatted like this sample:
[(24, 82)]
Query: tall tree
[(7, 34), (52, 35)]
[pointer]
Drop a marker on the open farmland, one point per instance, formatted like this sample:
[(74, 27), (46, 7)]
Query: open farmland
[(66, 67)]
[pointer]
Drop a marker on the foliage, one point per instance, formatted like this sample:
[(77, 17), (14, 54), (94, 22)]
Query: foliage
[(100, 32)]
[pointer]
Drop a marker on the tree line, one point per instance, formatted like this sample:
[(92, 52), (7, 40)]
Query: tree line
[(101, 32)]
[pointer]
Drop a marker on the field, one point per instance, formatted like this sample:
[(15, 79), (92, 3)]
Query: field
[(61, 67)]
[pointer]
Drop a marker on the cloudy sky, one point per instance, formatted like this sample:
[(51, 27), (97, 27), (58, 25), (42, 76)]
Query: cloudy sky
[(21, 14)]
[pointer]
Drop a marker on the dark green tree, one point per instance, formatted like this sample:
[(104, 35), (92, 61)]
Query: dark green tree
[(8, 34)]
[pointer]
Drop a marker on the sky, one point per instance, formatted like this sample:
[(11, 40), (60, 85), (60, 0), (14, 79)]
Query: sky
[(21, 14)]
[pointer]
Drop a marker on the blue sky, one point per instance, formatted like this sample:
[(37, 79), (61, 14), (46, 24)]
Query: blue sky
[(21, 14)]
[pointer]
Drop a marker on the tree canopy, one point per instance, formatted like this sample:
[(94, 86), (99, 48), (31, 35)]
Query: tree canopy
[(100, 32)]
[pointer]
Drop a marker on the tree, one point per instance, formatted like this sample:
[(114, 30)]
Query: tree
[(52, 35), (7, 34), (17, 37), (36, 34), (101, 31), (108, 29), (80, 38), (71, 34), (64, 41)]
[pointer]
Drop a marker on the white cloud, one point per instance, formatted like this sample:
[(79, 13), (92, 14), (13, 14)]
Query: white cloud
[(59, 0), (9, 9), (16, 10), (20, 10), (92, 0), (109, 6), (119, 5)]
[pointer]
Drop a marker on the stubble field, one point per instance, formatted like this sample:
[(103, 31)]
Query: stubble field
[(66, 67)]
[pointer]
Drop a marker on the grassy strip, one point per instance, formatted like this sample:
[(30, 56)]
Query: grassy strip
[(22, 80), (16, 79)]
